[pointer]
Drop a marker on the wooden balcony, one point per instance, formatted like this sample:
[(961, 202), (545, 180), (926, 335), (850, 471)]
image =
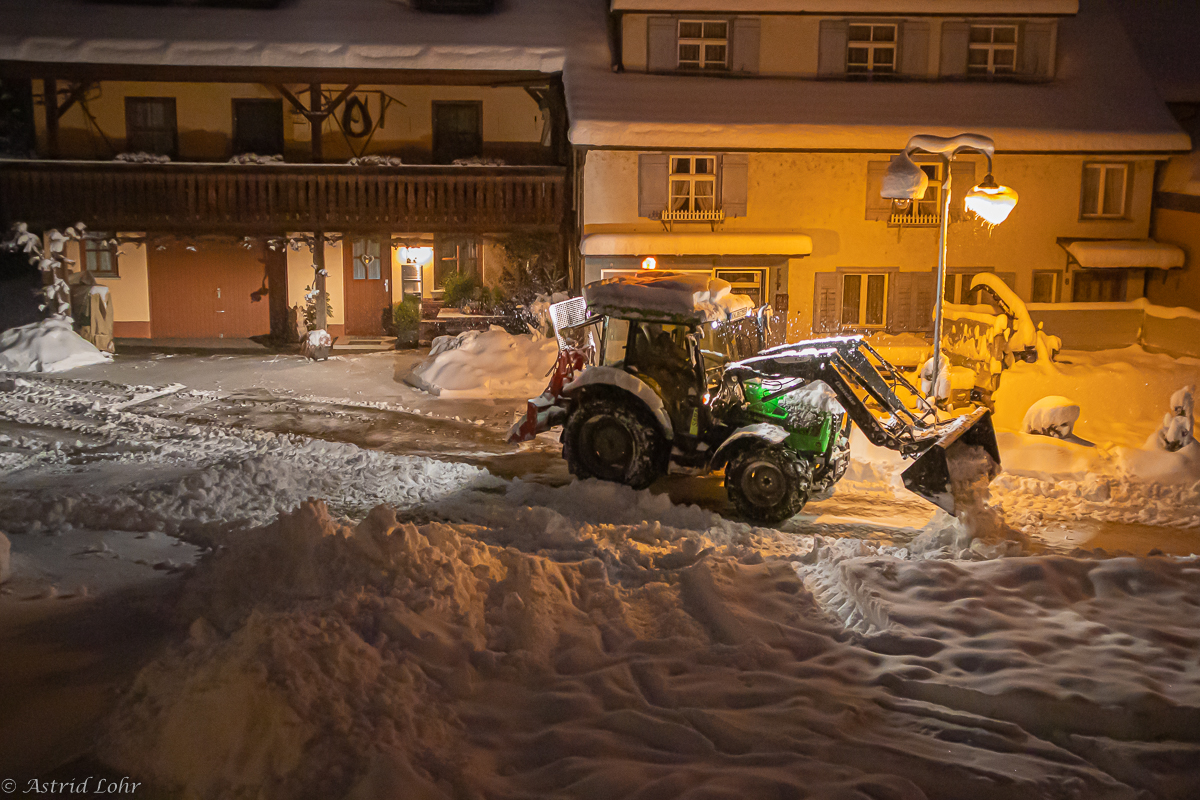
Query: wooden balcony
[(262, 198)]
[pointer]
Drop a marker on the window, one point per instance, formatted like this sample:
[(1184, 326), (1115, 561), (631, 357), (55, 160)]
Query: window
[(703, 44), (257, 126), (747, 282), (925, 210), (366, 263), (1046, 285), (1104, 190), (693, 184), (457, 131), (992, 49), (455, 256), (100, 256), (864, 300), (872, 48), (150, 126), (616, 338)]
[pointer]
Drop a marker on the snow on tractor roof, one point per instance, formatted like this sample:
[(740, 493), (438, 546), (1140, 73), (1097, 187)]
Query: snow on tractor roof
[(666, 297)]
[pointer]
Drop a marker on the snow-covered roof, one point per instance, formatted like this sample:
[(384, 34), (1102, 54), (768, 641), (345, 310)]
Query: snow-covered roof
[(1117, 253), (695, 244), (521, 35), (855, 6), (666, 297), (1100, 101)]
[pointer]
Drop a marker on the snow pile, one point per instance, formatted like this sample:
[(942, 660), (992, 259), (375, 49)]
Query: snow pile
[(255, 158), (50, 345), (1051, 416), (807, 405), (943, 378), (1179, 423), (1026, 333), (667, 296), (901, 349), (477, 161), (376, 161), (483, 364), (316, 344), (142, 158)]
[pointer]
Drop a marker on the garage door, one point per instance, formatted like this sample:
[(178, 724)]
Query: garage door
[(207, 293)]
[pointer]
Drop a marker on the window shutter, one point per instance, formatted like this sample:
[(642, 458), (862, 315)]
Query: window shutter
[(831, 58), (735, 178), (662, 44), (924, 291), (1037, 49), (878, 208), (900, 302), (962, 180), (652, 184), (825, 302), (914, 48), (955, 40), (745, 44)]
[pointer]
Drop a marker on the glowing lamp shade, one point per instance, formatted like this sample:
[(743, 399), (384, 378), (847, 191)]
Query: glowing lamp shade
[(991, 202), (649, 262)]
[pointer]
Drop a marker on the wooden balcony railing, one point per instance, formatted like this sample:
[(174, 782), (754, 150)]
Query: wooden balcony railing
[(253, 198)]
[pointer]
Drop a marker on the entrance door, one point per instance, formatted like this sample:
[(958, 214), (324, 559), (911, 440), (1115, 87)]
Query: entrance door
[(212, 291), (457, 131), (367, 280)]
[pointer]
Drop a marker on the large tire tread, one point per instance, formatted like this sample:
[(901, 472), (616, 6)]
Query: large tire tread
[(649, 445), (797, 474)]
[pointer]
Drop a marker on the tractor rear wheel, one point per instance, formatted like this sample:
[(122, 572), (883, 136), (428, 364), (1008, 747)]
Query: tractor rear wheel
[(615, 441), (768, 482)]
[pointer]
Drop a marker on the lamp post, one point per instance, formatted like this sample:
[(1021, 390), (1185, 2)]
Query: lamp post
[(905, 182)]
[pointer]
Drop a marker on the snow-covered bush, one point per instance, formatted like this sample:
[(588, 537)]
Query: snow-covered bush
[(1178, 424), (1051, 416)]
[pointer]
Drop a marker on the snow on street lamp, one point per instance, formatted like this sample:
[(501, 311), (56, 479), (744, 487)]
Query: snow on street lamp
[(905, 182)]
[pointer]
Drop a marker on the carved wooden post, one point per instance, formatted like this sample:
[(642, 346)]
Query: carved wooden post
[(50, 98), (317, 120), (319, 280)]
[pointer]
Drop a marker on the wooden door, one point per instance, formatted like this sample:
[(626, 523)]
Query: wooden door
[(367, 280), (212, 292), (457, 130)]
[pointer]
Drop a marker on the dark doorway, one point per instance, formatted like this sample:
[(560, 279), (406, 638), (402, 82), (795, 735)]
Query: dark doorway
[(20, 284), (457, 131), (150, 126), (257, 126)]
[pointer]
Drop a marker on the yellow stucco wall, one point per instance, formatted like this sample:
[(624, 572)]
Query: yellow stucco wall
[(204, 115), (823, 195), (1177, 287), (131, 291), (300, 275)]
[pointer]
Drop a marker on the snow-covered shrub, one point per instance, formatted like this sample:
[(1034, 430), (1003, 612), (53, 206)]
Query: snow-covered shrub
[(142, 158), (1051, 416), (1178, 424)]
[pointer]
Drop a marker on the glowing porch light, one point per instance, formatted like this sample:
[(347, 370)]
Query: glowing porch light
[(414, 255), (991, 202), (649, 262)]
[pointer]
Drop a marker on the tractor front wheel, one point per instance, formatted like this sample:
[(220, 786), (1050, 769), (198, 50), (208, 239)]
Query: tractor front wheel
[(612, 440), (768, 483)]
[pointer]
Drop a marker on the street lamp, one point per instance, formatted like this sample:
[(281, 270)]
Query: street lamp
[(905, 182)]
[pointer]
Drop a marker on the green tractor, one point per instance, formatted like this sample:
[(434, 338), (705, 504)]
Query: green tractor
[(667, 372)]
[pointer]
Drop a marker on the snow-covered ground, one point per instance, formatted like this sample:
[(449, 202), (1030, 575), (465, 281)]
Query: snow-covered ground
[(422, 627)]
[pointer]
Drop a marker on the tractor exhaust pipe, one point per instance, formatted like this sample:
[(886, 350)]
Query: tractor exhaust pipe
[(934, 473)]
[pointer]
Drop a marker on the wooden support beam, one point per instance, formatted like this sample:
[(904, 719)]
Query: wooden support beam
[(50, 98), (317, 121), (322, 321), (75, 95)]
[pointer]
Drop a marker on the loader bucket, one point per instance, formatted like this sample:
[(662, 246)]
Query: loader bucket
[(931, 474)]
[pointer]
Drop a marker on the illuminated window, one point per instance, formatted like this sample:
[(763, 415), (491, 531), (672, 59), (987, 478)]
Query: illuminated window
[(693, 183), (872, 48), (100, 256), (703, 44), (992, 49), (927, 209), (366, 263), (1103, 192), (864, 300)]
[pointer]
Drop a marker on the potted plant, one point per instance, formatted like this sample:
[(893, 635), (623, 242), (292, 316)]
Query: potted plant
[(405, 321)]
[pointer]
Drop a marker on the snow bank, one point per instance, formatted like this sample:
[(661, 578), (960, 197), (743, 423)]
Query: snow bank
[(667, 294), (50, 345), (1051, 416), (491, 363)]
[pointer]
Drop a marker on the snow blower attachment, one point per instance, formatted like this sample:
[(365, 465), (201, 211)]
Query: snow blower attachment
[(648, 380)]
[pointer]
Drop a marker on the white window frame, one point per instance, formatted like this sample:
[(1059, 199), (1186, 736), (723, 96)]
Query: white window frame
[(871, 46), (703, 42), (992, 47), (864, 276), (928, 209), (1104, 167), (691, 210), (94, 246)]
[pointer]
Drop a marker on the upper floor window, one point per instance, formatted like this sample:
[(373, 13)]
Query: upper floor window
[(871, 48), (257, 126), (925, 210), (992, 49), (693, 183), (1104, 190), (703, 44), (100, 255), (150, 126)]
